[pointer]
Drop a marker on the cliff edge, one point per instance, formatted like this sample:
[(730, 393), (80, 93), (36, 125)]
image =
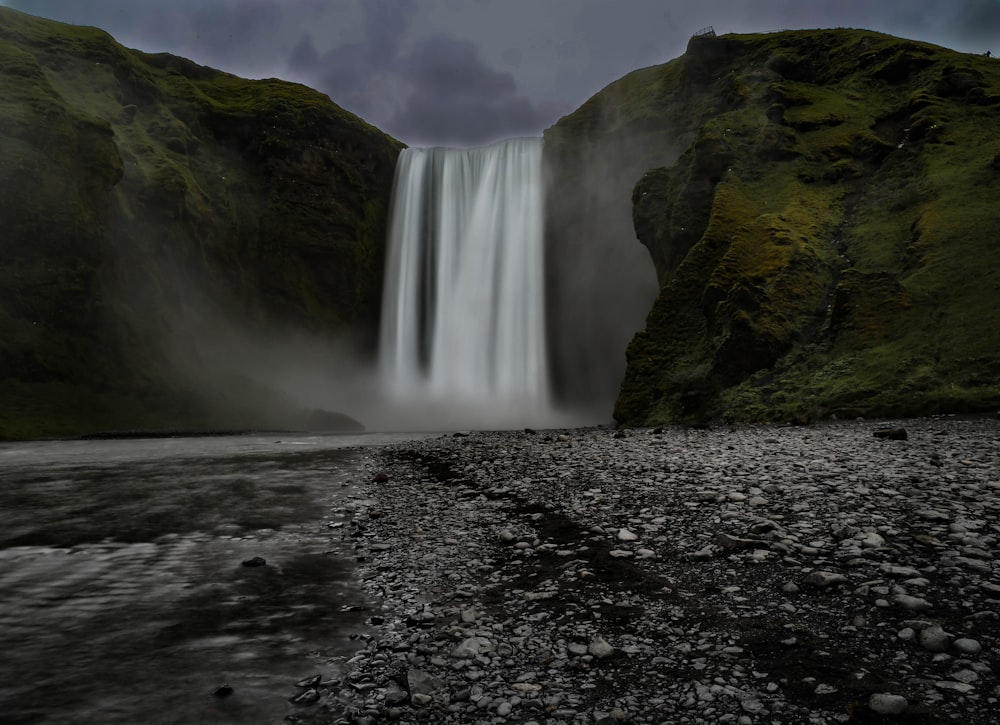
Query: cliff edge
[(161, 220), (823, 230)]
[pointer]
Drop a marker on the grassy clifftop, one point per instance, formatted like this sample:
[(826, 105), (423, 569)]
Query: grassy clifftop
[(149, 208), (824, 234)]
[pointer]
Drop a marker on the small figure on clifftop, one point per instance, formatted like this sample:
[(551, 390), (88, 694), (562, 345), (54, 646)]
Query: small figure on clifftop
[(988, 54)]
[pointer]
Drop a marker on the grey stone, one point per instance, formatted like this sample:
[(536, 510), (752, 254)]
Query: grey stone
[(471, 647), (422, 683), (871, 540), (959, 687), (600, 648), (824, 579), (729, 542), (967, 646), (966, 676), (900, 571), (395, 695), (935, 639), (911, 603), (887, 703)]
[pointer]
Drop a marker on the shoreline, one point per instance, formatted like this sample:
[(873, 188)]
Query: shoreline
[(734, 575)]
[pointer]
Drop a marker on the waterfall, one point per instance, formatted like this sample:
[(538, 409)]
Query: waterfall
[(463, 318)]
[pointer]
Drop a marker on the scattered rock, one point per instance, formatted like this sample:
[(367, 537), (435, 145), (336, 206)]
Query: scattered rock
[(962, 688), (419, 682), (967, 646), (308, 696), (421, 700), (506, 565), (395, 695), (935, 639), (886, 703), (254, 562), (900, 571), (600, 648), (911, 603), (728, 542), (471, 647), (892, 434), (824, 579)]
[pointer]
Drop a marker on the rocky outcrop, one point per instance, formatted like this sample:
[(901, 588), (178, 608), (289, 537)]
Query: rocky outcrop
[(160, 218), (823, 234)]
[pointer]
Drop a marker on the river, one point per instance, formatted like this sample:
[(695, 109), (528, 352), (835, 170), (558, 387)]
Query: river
[(123, 594)]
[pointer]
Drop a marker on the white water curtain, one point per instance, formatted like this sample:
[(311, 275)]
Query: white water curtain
[(463, 309)]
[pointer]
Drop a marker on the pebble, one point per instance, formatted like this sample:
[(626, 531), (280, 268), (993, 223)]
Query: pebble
[(900, 571), (935, 639), (511, 564), (960, 687), (727, 541), (224, 690), (886, 703), (600, 648), (471, 647), (967, 646), (911, 603), (824, 579), (872, 540)]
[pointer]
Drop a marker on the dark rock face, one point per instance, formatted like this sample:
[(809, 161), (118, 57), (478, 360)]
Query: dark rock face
[(600, 284), (820, 230), (156, 212)]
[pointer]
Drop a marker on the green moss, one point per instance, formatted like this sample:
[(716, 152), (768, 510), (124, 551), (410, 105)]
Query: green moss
[(842, 201), (141, 194)]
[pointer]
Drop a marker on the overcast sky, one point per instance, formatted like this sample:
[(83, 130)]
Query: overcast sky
[(467, 72)]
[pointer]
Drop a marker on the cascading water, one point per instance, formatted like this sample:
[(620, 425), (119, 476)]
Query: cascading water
[(463, 318)]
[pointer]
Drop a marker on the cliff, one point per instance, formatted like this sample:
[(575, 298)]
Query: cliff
[(158, 220), (820, 208)]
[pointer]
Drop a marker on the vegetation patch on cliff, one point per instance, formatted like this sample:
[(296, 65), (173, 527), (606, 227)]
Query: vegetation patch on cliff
[(153, 209), (824, 237)]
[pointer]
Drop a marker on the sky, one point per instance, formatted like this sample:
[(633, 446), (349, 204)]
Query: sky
[(469, 72)]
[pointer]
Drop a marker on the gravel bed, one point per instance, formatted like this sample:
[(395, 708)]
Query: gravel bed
[(822, 574)]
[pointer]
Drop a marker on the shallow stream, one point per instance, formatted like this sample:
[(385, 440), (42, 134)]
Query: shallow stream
[(123, 597)]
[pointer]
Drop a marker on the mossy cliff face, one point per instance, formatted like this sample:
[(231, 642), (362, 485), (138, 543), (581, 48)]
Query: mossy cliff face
[(146, 204), (825, 240)]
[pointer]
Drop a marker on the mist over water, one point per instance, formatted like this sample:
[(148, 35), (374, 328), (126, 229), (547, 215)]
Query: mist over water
[(504, 306), (463, 317)]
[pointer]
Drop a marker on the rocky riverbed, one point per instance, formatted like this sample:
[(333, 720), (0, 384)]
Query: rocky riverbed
[(732, 575)]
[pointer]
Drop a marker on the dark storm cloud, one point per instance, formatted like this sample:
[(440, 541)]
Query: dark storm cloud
[(232, 29), (357, 74), (979, 21), (440, 91), (453, 96), (466, 72)]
